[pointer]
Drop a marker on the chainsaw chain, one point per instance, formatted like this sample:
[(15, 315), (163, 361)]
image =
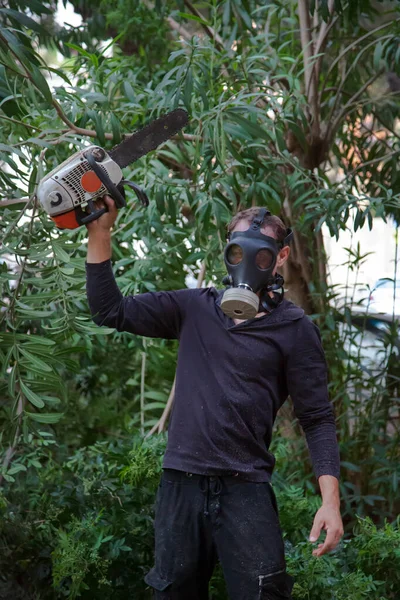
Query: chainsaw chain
[(147, 139)]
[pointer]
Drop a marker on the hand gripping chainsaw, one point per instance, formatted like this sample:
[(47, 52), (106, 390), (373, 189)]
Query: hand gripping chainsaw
[(68, 192)]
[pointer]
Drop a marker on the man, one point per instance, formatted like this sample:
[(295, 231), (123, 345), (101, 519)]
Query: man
[(215, 499)]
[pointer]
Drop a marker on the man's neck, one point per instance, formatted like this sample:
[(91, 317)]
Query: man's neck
[(238, 321), (260, 314)]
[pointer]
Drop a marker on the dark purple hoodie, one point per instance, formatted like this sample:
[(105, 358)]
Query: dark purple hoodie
[(231, 379)]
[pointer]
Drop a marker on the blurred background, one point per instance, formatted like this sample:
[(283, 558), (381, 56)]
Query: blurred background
[(294, 105)]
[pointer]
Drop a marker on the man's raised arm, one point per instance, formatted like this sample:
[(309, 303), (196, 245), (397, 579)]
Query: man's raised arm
[(99, 245), (157, 314)]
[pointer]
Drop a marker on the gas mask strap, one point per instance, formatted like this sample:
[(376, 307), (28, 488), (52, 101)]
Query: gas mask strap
[(266, 302), (288, 238), (259, 218)]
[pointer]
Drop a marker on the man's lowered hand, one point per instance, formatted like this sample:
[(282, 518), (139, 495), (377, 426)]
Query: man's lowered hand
[(328, 518)]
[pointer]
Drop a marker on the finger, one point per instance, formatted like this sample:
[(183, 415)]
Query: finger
[(110, 204), (99, 203), (331, 541), (316, 530)]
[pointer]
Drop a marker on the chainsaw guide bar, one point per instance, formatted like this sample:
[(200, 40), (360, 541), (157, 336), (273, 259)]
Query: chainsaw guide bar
[(147, 139)]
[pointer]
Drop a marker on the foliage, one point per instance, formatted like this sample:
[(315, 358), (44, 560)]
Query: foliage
[(314, 137), (78, 528), (78, 525)]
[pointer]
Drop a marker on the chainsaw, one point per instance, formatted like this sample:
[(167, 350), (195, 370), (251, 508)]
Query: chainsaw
[(68, 192)]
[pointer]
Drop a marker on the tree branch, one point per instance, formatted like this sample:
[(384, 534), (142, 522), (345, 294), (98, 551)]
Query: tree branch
[(371, 162), (161, 424), (322, 37), (18, 122), (334, 124), (375, 134), (386, 126), (173, 24), (9, 455), (309, 66), (14, 223), (63, 116), (8, 202), (351, 46), (212, 34), (179, 29)]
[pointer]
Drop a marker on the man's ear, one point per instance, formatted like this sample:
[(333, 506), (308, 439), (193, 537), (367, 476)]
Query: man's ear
[(282, 256)]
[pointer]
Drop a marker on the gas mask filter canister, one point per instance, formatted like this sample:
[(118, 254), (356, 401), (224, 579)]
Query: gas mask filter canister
[(250, 258)]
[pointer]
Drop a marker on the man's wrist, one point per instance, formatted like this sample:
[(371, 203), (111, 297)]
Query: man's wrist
[(95, 234), (331, 503), (329, 486), (99, 246)]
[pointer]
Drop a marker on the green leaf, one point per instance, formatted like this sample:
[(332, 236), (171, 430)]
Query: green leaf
[(6, 361), (40, 82), (193, 18), (227, 12), (33, 180), (129, 93), (188, 89), (153, 405), (160, 201), (116, 129), (60, 74), (60, 253), (35, 339), (253, 129), (11, 149), (31, 396), (16, 469), (39, 8), (52, 400), (40, 364), (78, 49), (91, 330), (350, 466), (22, 18), (11, 381), (48, 418), (154, 395), (35, 314)]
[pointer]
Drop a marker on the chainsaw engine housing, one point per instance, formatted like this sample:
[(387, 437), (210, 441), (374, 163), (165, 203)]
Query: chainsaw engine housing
[(69, 187)]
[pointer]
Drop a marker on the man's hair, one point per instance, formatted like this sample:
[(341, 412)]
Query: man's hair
[(271, 221)]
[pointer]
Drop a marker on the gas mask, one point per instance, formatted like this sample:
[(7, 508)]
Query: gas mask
[(250, 258)]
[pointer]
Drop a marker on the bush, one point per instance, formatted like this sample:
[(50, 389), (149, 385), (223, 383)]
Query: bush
[(82, 527), (77, 527)]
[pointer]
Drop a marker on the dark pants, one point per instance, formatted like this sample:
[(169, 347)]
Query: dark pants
[(200, 520)]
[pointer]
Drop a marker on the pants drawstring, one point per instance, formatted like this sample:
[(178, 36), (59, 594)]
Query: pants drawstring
[(207, 485)]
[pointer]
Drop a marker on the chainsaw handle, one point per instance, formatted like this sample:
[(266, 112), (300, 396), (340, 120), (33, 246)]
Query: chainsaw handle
[(120, 201), (84, 218), (92, 216), (142, 197)]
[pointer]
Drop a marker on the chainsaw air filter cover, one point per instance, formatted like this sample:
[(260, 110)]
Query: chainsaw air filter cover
[(73, 184)]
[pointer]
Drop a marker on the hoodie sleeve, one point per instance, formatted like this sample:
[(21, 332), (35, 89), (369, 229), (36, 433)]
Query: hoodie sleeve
[(153, 314), (306, 377)]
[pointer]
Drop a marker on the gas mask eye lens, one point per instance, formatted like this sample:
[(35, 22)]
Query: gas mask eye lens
[(234, 255), (264, 259)]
